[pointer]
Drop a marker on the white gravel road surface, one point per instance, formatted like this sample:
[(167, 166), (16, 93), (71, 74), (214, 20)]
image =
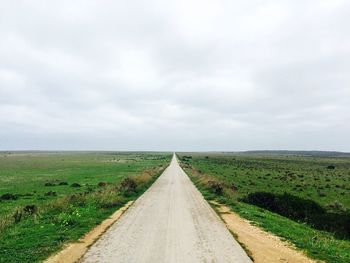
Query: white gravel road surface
[(170, 223)]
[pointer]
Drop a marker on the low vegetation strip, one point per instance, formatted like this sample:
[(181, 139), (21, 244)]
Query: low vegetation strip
[(37, 226), (74, 251), (281, 194)]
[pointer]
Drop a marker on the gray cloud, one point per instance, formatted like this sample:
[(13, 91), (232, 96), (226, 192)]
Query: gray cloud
[(175, 75)]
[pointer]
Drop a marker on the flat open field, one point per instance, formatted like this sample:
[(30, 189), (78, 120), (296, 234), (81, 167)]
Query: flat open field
[(303, 199), (47, 199)]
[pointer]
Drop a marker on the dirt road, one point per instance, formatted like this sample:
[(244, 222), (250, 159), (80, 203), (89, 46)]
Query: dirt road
[(171, 222)]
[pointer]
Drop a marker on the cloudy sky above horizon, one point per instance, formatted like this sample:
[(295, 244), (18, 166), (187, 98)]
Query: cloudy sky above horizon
[(175, 75)]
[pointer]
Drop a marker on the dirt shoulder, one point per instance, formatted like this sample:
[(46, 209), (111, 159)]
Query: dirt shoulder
[(74, 251), (264, 247)]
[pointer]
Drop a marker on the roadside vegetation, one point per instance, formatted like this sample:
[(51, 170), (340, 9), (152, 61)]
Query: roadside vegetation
[(49, 199), (302, 199)]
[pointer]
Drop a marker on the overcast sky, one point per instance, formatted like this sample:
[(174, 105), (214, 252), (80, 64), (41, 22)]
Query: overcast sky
[(175, 75)]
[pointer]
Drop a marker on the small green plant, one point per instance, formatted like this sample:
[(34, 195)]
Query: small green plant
[(68, 219)]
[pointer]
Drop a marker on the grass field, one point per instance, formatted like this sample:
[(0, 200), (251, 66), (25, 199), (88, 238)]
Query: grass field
[(305, 200), (48, 199)]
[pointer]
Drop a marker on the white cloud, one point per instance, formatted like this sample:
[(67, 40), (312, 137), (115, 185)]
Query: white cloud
[(187, 75)]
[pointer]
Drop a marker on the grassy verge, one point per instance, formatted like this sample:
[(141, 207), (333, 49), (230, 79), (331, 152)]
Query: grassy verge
[(37, 227), (227, 179)]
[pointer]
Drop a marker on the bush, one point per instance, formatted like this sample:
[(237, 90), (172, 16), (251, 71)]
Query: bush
[(337, 207), (9, 196), (102, 184), (63, 183), (234, 187), (75, 185), (331, 167), (321, 194), (128, 185), (68, 219), (51, 193), (304, 210), (30, 209), (216, 187)]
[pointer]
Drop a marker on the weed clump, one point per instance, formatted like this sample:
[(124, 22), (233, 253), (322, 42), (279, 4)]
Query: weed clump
[(30, 209), (336, 207), (63, 183), (216, 187), (49, 184), (304, 210), (51, 193), (321, 194), (102, 184), (128, 185), (17, 216), (9, 196), (76, 185), (234, 187)]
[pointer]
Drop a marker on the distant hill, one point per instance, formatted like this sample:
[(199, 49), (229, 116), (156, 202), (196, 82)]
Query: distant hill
[(300, 153)]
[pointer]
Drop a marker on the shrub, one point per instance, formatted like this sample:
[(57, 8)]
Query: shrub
[(63, 183), (331, 167), (68, 219), (51, 193), (9, 196), (75, 185), (337, 207), (321, 194), (102, 184), (49, 184), (234, 187), (30, 209), (304, 210), (128, 185), (216, 187)]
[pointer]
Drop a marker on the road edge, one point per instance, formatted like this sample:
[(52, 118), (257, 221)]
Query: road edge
[(72, 252), (271, 248)]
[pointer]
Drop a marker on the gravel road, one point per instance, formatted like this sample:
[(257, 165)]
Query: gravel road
[(170, 223)]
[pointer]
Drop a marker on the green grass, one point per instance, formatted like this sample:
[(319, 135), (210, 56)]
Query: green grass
[(32, 235), (230, 179)]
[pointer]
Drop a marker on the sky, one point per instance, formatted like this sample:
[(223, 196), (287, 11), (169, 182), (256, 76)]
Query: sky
[(184, 75)]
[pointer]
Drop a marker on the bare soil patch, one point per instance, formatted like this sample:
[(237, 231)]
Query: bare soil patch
[(264, 247)]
